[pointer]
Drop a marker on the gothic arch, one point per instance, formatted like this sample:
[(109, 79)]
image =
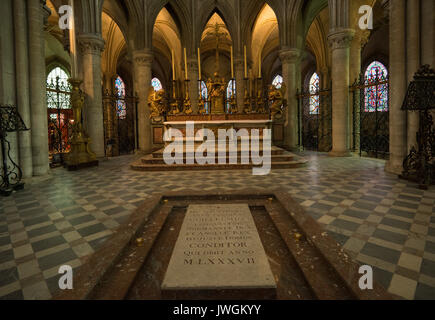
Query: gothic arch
[(224, 9)]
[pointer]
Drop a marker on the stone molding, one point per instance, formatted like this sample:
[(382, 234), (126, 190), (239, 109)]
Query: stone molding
[(143, 58), (361, 37), (341, 39), (91, 44), (289, 56)]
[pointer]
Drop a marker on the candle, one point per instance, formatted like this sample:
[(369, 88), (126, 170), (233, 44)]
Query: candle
[(199, 64), (259, 66), (173, 65), (246, 66), (232, 64), (185, 63), (73, 45)]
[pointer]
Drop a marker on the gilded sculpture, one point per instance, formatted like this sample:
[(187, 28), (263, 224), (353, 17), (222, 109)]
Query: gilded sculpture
[(277, 100), (156, 102)]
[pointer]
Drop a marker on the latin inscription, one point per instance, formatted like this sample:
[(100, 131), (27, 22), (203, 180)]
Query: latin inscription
[(218, 246)]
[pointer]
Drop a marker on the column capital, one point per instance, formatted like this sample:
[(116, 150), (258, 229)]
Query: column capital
[(290, 55), (192, 63), (239, 62), (143, 58), (341, 38), (91, 44), (361, 37)]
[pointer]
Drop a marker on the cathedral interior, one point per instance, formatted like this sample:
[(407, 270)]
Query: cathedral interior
[(85, 109)]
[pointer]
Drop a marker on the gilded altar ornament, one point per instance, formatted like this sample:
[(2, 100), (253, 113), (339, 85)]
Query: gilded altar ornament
[(233, 104), (81, 153), (216, 88), (187, 106), (247, 103), (277, 100), (260, 103), (201, 106), (173, 108), (156, 102)]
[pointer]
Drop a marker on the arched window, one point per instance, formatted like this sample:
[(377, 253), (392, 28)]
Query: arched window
[(314, 93), (376, 92), (277, 81), (121, 107), (204, 95), (157, 85), (57, 85), (231, 90)]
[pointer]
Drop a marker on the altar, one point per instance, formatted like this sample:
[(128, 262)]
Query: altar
[(261, 118)]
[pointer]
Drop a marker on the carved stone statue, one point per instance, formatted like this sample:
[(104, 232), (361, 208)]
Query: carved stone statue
[(156, 102), (277, 100)]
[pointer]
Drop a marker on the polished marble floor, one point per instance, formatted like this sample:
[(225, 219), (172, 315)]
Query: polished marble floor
[(63, 218)]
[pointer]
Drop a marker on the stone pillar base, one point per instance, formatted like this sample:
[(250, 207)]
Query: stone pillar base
[(339, 154), (393, 168)]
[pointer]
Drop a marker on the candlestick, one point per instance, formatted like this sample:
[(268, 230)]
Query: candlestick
[(185, 64), (73, 45), (173, 65), (199, 64), (246, 64), (232, 63), (259, 66)]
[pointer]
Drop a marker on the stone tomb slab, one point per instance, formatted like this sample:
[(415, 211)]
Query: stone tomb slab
[(218, 253)]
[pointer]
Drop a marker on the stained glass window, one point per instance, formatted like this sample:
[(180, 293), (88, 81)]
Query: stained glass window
[(204, 94), (157, 85), (376, 92), (57, 83), (231, 90), (120, 103), (314, 93), (277, 81)]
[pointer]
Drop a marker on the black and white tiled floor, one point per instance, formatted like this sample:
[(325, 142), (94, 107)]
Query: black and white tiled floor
[(61, 219)]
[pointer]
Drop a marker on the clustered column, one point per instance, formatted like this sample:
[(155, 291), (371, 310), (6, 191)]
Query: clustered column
[(192, 72), (22, 83), (398, 135), (39, 126), (340, 41), (413, 64), (290, 59), (92, 46), (142, 62), (359, 41), (240, 82)]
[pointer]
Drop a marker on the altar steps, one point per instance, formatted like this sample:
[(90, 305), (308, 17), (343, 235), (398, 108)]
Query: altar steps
[(280, 159)]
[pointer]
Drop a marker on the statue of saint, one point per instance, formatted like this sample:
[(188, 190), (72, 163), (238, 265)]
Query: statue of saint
[(216, 89)]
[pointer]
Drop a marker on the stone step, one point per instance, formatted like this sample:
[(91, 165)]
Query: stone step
[(274, 158), (140, 166), (275, 151)]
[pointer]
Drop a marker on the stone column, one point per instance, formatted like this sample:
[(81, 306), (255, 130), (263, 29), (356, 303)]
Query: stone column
[(92, 46), (37, 78), (22, 83), (192, 73), (142, 62), (413, 64), (290, 59), (239, 73), (340, 41), (359, 41), (398, 88)]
